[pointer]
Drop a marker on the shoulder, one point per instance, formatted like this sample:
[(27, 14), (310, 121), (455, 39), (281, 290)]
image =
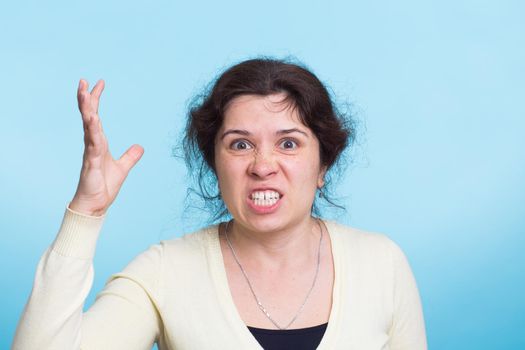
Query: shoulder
[(186, 250), (365, 247), (190, 243), (358, 238)]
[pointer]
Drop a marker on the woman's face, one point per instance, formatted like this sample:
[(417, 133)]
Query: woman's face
[(267, 163)]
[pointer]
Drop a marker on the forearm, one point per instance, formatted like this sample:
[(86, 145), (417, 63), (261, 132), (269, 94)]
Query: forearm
[(53, 315)]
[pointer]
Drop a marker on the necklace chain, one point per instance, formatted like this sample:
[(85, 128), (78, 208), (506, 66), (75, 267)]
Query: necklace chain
[(259, 304)]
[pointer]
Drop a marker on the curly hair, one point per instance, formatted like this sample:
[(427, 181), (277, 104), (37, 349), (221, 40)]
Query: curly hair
[(262, 76)]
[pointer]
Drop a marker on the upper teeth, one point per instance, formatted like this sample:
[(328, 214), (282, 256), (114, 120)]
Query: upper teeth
[(265, 195)]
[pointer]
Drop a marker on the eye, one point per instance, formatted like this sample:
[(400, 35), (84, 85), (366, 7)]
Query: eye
[(288, 144), (240, 145)]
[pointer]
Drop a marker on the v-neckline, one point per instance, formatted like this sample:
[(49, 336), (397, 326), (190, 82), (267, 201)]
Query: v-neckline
[(220, 280)]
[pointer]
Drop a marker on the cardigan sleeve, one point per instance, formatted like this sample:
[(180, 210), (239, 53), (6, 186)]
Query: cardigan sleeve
[(123, 315), (408, 326)]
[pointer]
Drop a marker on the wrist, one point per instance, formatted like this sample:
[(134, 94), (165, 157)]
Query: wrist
[(85, 209)]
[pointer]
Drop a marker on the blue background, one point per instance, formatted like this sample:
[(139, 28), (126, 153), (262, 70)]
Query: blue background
[(438, 88)]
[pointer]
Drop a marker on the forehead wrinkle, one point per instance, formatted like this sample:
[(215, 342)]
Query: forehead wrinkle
[(269, 101), (288, 103), (275, 103), (248, 133), (290, 131), (235, 131)]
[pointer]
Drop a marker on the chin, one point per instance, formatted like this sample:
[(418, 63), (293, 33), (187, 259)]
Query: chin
[(269, 223), (260, 223)]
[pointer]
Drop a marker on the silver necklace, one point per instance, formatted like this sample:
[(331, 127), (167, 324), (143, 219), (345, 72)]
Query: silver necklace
[(259, 304)]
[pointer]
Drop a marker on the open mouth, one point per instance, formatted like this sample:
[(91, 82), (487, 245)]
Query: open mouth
[(265, 198)]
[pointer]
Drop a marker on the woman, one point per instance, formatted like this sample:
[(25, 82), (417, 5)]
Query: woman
[(274, 276)]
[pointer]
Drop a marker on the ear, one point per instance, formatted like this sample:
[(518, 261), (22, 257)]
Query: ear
[(320, 178)]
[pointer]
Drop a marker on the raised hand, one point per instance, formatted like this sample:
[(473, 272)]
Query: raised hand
[(101, 176)]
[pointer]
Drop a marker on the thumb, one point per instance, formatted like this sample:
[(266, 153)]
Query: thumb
[(131, 157)]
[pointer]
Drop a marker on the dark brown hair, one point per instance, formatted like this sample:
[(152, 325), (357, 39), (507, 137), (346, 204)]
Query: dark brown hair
[(262, 76)]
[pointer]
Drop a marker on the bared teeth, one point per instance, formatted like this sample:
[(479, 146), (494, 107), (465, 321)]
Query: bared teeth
[(265, 195), (265, 198)]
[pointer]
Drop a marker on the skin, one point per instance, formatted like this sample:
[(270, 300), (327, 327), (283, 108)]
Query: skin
[(278, 249), (101, 176), (253, 151)]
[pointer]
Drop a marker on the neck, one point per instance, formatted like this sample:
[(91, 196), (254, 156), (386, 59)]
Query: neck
[(276, 249)]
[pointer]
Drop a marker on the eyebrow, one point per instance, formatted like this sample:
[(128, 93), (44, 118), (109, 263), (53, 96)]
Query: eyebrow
[(247, 133)]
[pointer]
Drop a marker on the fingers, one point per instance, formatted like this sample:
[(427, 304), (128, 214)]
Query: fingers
[(95, 94), (130, 158), (88, 102), (94, 139), (84, 101)]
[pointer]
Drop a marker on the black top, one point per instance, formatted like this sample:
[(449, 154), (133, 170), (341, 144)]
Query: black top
[(297, 339)]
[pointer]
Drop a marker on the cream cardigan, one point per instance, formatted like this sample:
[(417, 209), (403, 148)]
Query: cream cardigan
[(176, 294)]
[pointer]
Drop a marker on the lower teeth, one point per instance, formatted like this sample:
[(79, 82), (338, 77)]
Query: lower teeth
[(264, 202)]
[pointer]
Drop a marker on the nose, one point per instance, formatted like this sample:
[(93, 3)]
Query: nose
[(264, 164)]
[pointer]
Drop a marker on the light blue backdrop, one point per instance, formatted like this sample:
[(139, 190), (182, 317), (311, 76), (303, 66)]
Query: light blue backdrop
[(440, 166)]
